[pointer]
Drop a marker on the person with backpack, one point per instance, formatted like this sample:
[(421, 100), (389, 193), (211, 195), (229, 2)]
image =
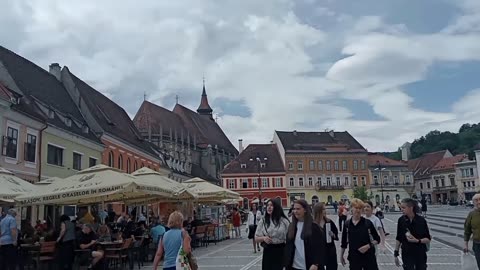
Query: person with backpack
[(413, 236), (359, 235)]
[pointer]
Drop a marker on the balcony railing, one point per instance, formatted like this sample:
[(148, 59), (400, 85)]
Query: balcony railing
[(445, 188), (409, 184), (330, 188)]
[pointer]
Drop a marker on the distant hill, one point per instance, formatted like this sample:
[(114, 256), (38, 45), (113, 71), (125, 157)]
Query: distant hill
[(462, 142)]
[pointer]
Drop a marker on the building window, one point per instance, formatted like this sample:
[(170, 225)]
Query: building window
[(291, 182), (231, 184), (300, 181), (300, 165), (255, 183), (290, 165), (263, 165), (110, 159), (355, 164), (314, 200), (320, 165), (92, 162), (452, 181), (407, 179), (375, 179), (355, 181), (344, 165), (129, 166), (329, 181), (335, 165), (328, 165), (245, 183), (264, 182), (11, 142), (385, 179), (120, 162), (364, 181), (54, 155), (443, 182), (395, 180), (436, 183), (319, 181), (243, 166), (338, 181), (347, 181), (362, 164), (278, 182), (31, 148), (135, 166), (310, 181), (428, 185), (312, 165), (421, 185), (77, 161)]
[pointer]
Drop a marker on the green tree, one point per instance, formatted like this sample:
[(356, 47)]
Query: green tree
[(360, 193)]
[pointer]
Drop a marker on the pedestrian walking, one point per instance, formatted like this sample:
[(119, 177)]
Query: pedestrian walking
[(342, 215), (173, 243), (472, 229), (360, 236), (335, 206), (66, 241), (413, 237), (377, 223), (303, 250), (237, 222), (8, 240), (253, 218), (330, 235), (424, 206), (272, 233)]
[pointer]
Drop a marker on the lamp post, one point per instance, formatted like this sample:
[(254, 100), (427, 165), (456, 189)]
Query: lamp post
[(380, 169), (259, 180)]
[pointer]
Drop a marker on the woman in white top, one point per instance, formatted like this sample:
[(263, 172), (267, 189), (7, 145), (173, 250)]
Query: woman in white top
[(377, 223), (272, 233), (304, 251), (253, 218)]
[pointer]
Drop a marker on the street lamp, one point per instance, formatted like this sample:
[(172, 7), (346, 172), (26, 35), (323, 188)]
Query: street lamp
[(259, 165), (380, 169)]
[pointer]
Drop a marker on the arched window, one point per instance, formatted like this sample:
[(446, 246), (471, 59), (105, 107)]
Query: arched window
[(120, 162), (314, 200), (330, 199), (135, 166), (129, 167), (110, 159)]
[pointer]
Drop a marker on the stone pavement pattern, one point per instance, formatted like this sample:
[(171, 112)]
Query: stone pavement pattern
[(237, 254)]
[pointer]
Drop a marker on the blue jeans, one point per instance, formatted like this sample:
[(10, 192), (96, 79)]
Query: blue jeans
[(476, 251), (170, 268)]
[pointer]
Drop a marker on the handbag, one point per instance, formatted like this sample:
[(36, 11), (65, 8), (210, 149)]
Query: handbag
[(185, 261)]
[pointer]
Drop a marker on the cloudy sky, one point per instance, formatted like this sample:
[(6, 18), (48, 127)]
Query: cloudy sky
[(387, 71)]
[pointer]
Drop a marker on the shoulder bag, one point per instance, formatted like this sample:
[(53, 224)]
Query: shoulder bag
[(263, 244)]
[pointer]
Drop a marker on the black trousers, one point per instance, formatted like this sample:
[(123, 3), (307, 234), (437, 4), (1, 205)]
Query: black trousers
[(367, 261), (331, 258), (273, 257), (414, 260), (66, 255), (341, 221), (8, 257)]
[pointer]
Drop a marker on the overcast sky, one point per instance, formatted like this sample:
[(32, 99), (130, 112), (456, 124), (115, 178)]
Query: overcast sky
[(387, 71)]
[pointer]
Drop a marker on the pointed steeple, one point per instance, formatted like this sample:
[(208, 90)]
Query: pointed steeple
[(204, 108)]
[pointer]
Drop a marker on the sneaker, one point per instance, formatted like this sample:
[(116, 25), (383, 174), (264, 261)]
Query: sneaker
[(258, 249), (387, 234)]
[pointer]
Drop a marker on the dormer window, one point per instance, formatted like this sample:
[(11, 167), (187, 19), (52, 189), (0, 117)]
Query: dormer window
[(243, 166), (85, 129), (51, 114), (68, 122), (263, 165)]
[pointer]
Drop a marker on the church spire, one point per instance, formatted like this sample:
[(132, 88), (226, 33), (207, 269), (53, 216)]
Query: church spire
[(204, 108)]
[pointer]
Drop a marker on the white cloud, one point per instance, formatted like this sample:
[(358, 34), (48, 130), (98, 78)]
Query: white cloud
[(260, 52)]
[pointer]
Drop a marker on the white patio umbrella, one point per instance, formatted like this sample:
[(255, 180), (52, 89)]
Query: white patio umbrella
[(206, 191), (148, 179), (12, 186), (98, 184)]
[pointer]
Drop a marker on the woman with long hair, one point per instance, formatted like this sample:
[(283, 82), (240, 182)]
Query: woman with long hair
[(272, 233), (172, 241), (357, 236), (368, 210), (303, 250), (66, 241), (330, 235), (254, 218)]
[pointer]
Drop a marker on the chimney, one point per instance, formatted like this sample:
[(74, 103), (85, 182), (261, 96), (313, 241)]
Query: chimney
[(405, 149), (240, 146), (295, 133), (55, 70), (331, 133)]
